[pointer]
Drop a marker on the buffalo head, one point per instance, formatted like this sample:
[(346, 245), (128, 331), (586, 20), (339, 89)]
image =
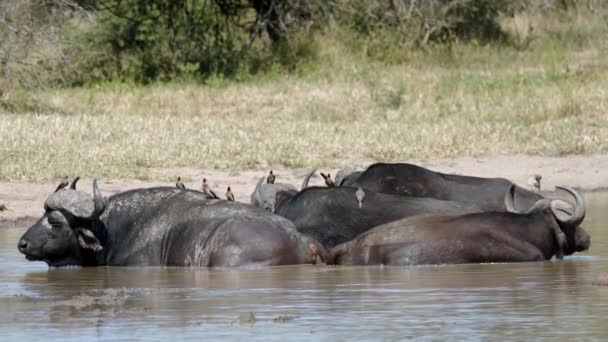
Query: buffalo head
[(566, 219), (65, 233)]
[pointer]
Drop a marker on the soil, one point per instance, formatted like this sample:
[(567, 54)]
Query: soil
[(24, 200)]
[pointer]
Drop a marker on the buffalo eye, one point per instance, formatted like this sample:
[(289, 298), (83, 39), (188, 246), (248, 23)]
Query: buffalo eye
[(56, 226), (57, 219)]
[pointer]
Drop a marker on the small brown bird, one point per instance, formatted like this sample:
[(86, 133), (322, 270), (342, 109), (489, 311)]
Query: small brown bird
[(229, 195), (207, 189), (330, 183), (3, 207), (63, 184), (360, 194), (179, 184), (270, 179), (534, 182)]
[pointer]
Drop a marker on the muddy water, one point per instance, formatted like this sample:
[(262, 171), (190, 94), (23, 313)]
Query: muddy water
[(546, 300)]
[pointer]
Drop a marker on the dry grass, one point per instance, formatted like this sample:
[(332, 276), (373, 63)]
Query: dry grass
[(548, 99)]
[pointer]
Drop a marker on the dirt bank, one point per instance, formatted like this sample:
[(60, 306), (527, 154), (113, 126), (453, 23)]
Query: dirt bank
[(25, 200)]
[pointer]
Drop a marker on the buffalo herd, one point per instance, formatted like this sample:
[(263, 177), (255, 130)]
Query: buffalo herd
[(387, 214)]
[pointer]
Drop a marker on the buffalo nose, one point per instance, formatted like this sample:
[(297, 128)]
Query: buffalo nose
[(586, 242), (582, 240), (22, 245)]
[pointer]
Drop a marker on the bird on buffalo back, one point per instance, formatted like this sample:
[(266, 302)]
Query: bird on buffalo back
[(270, 179), (179, 184), (207, 189), (534, 182), (229, 195), (328, 181), (360, 194), (63, 184)]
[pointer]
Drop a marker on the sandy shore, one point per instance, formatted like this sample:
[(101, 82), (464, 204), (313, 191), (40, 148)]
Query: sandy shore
[(25, 200)]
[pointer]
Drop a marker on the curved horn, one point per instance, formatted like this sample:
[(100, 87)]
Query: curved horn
[(306, 179), (562, 209), (73, 184), (256, 192), (259, 183), (78, 203), (579, 208), (98, 200), (510, 200)]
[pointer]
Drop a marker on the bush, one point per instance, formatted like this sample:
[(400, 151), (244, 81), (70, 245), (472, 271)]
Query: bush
[(160, 40), (421, 22)]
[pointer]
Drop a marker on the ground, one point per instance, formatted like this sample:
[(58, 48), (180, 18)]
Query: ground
[(24, 200)]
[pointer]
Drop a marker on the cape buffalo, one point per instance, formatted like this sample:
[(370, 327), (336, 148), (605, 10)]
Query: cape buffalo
[(333, 215), (547, 229), (413, 180), (264, 194), (162, 227)]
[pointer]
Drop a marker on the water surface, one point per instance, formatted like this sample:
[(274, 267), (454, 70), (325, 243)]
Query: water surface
[(551, 300)]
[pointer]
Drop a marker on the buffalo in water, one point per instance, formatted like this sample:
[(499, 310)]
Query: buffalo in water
[(162, 227), (413, 180), (333, 216), (545, 230)]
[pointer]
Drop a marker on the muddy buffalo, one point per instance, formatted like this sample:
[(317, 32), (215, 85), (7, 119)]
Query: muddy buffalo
[(333, 215), (413, 180), (161, 227), (544, 231)]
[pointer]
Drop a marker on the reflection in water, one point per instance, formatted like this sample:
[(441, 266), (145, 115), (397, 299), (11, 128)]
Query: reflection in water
[(552, 299)]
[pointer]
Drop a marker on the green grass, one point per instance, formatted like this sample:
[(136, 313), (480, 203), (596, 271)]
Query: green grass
[(464, 100)]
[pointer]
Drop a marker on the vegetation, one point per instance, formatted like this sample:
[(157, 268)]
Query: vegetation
[(144, 41), (366, 81)]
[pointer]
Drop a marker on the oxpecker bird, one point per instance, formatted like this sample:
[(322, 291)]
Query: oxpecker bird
[(270, 179), (229, 195), (63, 184), (330, 183), (207, 190), (360, 194), (179, 184), (534, 182)]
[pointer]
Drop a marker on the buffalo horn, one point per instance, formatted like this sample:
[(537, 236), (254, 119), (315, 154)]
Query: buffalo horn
[(579, 209), (510, 200), (73, 184), (98, 200), (306, 179)]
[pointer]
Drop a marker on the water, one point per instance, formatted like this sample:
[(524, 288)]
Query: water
[(551, 300)]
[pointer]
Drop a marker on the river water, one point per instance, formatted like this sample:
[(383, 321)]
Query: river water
[(551, 300)]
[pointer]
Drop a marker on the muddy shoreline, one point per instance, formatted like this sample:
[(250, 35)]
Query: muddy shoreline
[(24, 200)]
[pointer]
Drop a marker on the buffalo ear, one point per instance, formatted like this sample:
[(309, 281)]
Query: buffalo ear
[(87, 240)]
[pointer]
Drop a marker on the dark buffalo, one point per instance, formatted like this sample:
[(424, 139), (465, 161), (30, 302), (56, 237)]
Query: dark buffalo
[(333, 215), (547, 229), (162, 227), (264, 195), (413, 180)]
